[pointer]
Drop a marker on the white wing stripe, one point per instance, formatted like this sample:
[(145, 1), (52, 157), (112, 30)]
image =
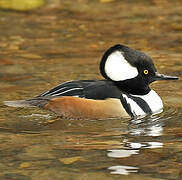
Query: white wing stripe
[(54, 91), (47, 92), (66, 91)]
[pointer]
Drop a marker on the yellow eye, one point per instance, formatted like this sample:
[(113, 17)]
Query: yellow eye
[(145, 71)]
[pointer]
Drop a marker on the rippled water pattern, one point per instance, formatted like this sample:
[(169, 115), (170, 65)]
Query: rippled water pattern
[(64, 41)]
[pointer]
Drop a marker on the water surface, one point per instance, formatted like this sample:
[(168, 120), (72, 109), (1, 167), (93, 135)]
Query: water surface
[(45, 47)]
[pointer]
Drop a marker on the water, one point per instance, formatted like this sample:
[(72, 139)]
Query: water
[(40, 49)]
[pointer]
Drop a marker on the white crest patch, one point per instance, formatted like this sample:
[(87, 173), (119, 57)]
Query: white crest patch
[(118, 69)]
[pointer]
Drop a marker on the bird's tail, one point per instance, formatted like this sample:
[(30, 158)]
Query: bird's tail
[(40, 102), (20, 103)]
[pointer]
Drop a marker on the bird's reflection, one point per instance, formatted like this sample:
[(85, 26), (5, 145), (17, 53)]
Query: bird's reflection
[(140, 135), (119, 153), (124, 170), (148, 126)]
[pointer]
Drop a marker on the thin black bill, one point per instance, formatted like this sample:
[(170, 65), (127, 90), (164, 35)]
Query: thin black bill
[(159, 76)]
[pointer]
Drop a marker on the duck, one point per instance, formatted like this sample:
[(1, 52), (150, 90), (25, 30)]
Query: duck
[(123, 93)]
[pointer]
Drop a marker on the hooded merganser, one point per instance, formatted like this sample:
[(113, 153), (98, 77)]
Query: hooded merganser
[(125, 92)]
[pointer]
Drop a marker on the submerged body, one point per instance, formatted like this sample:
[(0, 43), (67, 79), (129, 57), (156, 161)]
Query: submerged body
[(125, 91)]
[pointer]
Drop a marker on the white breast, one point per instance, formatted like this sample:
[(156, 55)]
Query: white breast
[(152, 99)]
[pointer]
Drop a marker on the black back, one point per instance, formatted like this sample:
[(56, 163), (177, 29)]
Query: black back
[(90, 89)]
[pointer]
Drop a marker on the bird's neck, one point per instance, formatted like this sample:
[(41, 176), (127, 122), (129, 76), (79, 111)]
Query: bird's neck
[(133, 88)]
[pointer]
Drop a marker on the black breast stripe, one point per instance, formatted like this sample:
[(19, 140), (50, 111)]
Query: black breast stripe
[(126, 106), (143, 105), (139, 101)]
